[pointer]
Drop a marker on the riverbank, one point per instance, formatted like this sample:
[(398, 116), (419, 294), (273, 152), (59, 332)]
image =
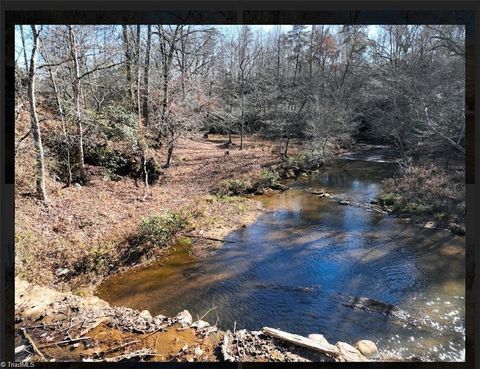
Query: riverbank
[(85, 233), (55, 326), (428, 195)]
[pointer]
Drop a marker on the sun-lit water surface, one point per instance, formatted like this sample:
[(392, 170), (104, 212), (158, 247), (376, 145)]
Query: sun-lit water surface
[(288, 268)]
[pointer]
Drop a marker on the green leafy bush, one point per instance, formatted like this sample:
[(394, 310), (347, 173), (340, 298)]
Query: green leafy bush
[(233, 187), (160, 229)]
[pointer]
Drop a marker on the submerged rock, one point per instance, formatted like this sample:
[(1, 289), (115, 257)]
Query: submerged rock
[(367, 348), (371, 305)]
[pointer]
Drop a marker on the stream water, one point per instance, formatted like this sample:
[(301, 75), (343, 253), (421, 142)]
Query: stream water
[(289, 269)]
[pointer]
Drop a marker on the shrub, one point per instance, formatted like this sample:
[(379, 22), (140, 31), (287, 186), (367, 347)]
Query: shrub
[(158, 230), (425, 192), (233, 187)]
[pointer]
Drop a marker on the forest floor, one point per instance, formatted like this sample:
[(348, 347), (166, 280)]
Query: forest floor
[(85, 222)]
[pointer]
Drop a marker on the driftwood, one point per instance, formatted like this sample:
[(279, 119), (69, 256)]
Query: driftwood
[(116, 348), (139, 353), (325, 348), (64, 342), (35, 348), (208, 238)]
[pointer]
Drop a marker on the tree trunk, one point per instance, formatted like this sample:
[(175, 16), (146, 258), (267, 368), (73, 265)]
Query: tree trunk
[(285, 153), (242, 122), (171, 144), (56, 92), (78, 112), (146, 87), (37, 136), (128, 62)]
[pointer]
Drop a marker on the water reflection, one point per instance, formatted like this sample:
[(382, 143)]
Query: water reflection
[(287, 269)]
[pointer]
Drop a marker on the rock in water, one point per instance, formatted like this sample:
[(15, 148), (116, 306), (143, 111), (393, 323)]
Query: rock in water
[(318, 338), (145, 314), (367, 348), (429, 225), (200, 324), (185, 318), (349, 353)]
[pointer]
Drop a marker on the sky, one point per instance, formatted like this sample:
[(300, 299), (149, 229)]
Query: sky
[(371, 29)]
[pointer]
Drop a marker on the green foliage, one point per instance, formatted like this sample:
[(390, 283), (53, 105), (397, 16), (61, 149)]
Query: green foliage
[(100, 259), (268, 178), (233, 187), (115, 122), (160, 229)]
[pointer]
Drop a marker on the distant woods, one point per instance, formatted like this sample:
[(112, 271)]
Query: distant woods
[(147, 85)]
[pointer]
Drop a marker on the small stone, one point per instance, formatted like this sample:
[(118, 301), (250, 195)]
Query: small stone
[(344, 202), (429, 225), (20, 349), (145, 314), (185, 318), (367, 348), (198, 351), (61, 271), (200, 324)]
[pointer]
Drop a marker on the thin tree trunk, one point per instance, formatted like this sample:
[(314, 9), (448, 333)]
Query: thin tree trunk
[(56, 92), (128, 62), (171, 144), (141, 139), (285, 153), (37, 136), (242, 122), (78, 112), (146, 87)]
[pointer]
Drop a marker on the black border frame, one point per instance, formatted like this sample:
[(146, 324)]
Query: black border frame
[(215, 12)]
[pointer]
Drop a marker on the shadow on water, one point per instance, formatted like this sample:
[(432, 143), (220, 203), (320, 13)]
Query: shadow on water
[(287, 269)]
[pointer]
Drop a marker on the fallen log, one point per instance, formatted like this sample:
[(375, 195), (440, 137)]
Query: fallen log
[(325, 348), (73, 340), (208, 238)]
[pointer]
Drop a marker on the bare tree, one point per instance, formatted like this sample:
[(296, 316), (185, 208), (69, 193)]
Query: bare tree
[(37, 136)]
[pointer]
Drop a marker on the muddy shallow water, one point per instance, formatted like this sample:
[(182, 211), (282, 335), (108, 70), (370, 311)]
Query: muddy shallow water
[(290, 268)]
